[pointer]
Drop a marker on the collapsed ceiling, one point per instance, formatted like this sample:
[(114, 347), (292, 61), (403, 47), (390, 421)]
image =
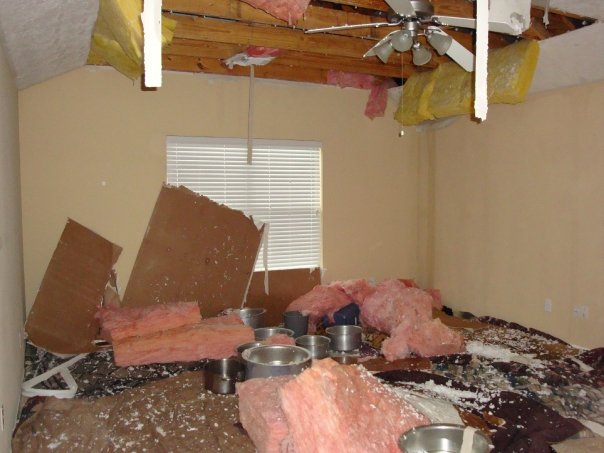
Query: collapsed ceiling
[(44, 39)]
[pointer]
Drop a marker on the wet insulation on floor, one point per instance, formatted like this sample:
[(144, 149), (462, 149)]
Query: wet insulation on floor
[(165, 407)]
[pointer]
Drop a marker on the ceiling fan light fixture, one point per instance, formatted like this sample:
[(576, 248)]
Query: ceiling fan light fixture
[(440, 41), (383, 51), (401, 41), (421, 54)]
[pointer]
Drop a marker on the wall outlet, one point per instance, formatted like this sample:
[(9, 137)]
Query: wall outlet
[(548, 305), (581, 312)]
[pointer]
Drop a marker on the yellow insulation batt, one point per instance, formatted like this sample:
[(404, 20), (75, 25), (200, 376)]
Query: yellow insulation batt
[(118, 36), (414, 106), (450, 91)]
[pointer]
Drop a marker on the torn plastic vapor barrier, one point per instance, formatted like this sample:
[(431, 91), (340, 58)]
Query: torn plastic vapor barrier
[(117, 39), (447, 91), (257, 56)]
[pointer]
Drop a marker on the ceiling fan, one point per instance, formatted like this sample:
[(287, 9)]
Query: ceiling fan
[(416, 17)]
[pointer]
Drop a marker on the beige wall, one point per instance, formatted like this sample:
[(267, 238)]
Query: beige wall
[(93, 149), (519, 213), (11, 260)]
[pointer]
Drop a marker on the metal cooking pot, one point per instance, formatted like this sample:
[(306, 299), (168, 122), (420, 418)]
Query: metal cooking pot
[(221, 375), (275, 360)]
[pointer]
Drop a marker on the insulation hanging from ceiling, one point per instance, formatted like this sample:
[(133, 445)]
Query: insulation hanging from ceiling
[(117, 39), (447, 90)]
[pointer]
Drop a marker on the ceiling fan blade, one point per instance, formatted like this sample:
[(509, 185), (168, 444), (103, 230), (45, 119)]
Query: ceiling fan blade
[(462, 56), (444, 44), (352, 27), (467, 22), (402, 7)]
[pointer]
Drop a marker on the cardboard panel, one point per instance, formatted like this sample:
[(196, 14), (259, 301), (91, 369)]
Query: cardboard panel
[(284, 287), (194, 250), (62, 317)]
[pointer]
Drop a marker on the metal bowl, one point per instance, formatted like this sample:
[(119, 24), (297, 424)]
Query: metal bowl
[(244, 346), (253, 317), (344, 338), (263, 333), (275, 360), (221, 375), (317, 345), (440, 438)]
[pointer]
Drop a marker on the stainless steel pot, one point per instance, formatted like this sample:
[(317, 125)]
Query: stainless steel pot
[(275, 360), (344, 338), (253, 317), (317, 345), (441, 437), (221, 375), (263, 333)]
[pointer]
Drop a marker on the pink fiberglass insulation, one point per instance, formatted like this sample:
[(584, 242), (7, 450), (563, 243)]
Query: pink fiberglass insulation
[(392, 303), (320, 301), (182, 344), (378, 97), (436, 298), (357, 289), (118, 323), (335, 408), (232, 318), (426, 339), (280, 338), (288, 10), (261, 415)]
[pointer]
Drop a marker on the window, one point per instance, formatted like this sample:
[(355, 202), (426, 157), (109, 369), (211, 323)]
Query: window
[(282, 187)]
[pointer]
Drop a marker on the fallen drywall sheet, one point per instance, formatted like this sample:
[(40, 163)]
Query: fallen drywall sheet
[(194, 250), (62, 317), (284, 287)]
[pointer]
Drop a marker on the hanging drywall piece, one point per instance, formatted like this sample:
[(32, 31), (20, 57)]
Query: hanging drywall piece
[(151, 19), (482, 56), (194, 250), (250, 118), (546, 14), (62, 318)]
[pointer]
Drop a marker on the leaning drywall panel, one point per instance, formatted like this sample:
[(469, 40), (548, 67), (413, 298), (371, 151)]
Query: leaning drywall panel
[(62, 318), (194, 250)]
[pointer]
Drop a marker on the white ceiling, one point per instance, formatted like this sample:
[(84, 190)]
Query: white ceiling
[(45, 38)]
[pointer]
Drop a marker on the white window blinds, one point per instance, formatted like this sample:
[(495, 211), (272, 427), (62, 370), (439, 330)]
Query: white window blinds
[(282, 187)]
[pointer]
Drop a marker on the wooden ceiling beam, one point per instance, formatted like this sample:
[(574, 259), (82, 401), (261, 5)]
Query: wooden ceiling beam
[(213, 66), (222, 51), (197, 28), (314, 17)]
